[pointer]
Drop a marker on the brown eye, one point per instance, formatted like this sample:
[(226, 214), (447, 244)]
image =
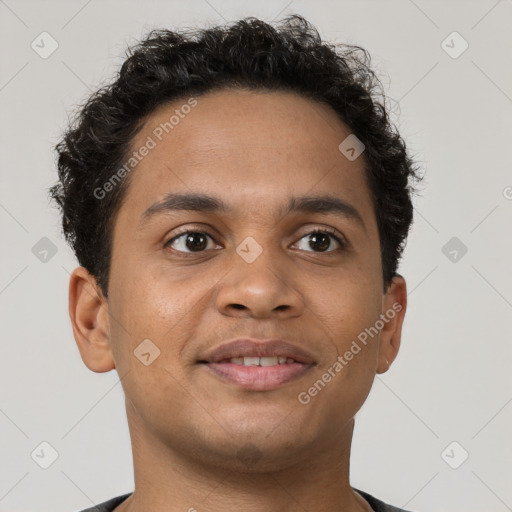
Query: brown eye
[(190, 241), (320, 241)]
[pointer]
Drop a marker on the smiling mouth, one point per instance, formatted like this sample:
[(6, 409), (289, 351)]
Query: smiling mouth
[(256, 364), (258, 361), (257, 373)]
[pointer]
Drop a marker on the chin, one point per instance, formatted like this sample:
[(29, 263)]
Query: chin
[(249, 456)]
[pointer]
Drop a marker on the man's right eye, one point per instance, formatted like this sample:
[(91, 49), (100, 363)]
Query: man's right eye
[(190, 241)]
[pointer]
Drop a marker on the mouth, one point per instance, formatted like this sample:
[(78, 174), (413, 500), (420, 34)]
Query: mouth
[(257, 365)]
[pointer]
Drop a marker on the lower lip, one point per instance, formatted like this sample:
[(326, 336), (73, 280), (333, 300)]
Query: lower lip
[(259, 378)]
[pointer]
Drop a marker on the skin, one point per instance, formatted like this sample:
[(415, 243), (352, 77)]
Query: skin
[(253, 150)]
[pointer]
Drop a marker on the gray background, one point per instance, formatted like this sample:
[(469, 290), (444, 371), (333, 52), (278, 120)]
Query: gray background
[(452, 379)]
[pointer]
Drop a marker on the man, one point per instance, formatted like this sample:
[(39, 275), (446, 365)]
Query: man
[(238, 202)]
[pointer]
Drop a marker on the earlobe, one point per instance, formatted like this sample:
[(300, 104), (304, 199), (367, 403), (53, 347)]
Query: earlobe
[(88, 311), (394, 305)]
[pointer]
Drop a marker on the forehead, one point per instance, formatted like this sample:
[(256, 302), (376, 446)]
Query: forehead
[(253, 148)]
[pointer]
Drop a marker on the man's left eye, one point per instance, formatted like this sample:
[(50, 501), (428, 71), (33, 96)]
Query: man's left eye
[(320, 241)]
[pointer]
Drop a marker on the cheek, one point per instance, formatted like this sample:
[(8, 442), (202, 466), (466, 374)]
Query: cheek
[(342, 382), (152, 324), (347, 311), (348, 305), (145, 298), (152, 302)]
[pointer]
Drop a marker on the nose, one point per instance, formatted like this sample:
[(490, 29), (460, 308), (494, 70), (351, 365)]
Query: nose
[(261, 289)]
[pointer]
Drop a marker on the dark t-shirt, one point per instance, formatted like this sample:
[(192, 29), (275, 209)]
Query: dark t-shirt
[(377, 505)]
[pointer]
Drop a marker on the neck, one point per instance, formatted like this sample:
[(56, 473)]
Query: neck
[(167, 479)]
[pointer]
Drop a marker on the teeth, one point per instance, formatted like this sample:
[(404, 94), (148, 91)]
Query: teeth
[(261, 361)]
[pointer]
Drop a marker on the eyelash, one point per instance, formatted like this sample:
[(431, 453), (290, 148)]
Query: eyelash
[(329, 231)]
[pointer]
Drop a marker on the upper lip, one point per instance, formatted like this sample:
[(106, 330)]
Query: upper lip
[(249, 347)]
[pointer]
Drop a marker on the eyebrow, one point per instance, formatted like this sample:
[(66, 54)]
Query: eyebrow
[(324, 204)]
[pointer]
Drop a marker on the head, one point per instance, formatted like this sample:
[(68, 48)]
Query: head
[(238, 133)]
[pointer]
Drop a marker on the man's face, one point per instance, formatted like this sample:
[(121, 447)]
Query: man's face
[(252, 151)]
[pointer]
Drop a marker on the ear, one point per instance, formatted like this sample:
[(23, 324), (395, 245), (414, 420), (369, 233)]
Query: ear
[(88, 310), (394, 304)]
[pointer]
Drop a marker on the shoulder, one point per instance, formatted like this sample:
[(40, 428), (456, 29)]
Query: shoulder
[(378, 505), (108, 506)]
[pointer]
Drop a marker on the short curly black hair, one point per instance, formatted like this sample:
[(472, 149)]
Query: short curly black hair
[(248, 54)]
